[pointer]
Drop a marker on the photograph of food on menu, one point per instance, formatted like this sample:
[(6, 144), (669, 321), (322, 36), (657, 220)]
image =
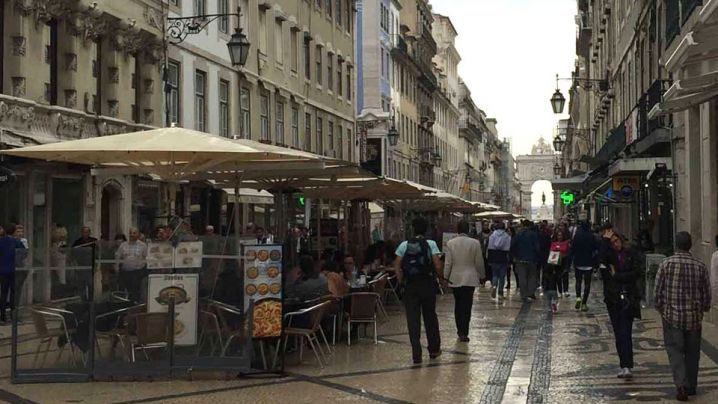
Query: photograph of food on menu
[(263, 286), (160, 255), (188, 254)]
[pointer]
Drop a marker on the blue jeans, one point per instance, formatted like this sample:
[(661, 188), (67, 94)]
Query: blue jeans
[(499, 272)]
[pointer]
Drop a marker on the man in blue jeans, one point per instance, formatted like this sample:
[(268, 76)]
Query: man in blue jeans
[(498, 258), (525, 250), (417, 265)]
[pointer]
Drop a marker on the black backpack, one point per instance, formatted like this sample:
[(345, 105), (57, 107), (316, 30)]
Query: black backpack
[(417, 261)]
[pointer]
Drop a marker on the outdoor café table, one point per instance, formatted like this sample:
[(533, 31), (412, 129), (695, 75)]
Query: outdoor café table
[(80, 311)]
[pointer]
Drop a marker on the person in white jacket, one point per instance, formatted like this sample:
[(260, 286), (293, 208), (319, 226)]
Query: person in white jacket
[(464, 267)]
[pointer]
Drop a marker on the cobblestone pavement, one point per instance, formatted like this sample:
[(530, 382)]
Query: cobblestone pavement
[(517, 354)]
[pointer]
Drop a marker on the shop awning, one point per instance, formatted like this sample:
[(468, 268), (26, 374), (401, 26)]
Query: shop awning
[(572, 183), (498, 215), (249, 195), (638, 165)]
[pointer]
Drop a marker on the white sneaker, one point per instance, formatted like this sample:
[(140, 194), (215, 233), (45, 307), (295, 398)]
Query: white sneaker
[(621, 373), (627, 373)]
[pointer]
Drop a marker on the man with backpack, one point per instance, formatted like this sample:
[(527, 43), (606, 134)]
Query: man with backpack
[(417, 266)]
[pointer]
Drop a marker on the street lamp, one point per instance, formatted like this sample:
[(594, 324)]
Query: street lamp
[(176, 31), (393, 133), (238, 48), (558, 143), (558, 101)]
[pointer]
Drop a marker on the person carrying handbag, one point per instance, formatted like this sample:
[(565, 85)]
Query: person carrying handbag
[(555, 267)]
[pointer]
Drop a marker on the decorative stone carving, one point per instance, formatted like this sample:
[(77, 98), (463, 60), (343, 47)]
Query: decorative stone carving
[(113, 74), (69, 127), (113, 108), (18, 87), (71, 62), (90, 24), (149, 85), (19, 46), (153, 17), (16, 113), (24, 7), (70, 98)]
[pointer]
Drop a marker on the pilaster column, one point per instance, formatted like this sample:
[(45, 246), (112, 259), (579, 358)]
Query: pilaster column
[(110, 79), (18, 24), (68, 49)]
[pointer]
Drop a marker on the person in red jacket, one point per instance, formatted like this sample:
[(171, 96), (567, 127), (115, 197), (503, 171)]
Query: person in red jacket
[(555, 269)]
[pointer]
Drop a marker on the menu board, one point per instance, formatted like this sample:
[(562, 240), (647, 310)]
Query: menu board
[(263, 286), (188, 254), (182, 288), (160, 255)]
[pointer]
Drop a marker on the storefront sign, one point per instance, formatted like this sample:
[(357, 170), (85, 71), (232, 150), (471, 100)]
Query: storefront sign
[(263, 285), (182, 289), (626, 185)]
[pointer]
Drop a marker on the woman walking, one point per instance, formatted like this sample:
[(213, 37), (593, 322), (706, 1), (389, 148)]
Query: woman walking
[(556, 266), (620, 273)]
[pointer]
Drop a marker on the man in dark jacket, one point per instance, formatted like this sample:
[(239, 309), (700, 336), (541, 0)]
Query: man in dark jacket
[(584, 251), (525, 250)]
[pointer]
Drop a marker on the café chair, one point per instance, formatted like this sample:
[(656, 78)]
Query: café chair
[(209, 331), (393, 286), (362, 310), (316, 314), (118, 332), (40, 319), (147, 331), (378, 286)]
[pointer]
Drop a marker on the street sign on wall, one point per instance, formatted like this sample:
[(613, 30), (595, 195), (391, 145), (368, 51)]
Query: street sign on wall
[(626, 185)]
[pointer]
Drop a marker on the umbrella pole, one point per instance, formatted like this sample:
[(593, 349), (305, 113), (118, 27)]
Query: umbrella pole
[(319, 228), (346, 227)]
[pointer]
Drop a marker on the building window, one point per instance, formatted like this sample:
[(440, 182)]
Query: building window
[(348, 10), (338, 14), (278, 42), (330, 72), (173, 84), (318, 58), (340, 144), (295, 126), (349, 82), (244, 113), (320, 136), (200, 81), (330, 136), (339, 79), (279, 129), (382, 17), (383, 72), (263, 32), (330, 9), (307, 61), (307, 131), (224, 108), (264, 117), (223, 8), (200, 7), (293, 45)]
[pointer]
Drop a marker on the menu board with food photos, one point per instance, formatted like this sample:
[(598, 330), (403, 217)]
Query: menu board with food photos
[(182, 289), (160, 255), (187, 254), (263, 285)]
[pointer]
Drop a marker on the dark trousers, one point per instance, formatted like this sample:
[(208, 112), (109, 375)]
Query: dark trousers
[(622, 322), (562, 281), (463, 300), (420, 299), (131, 281), (684, 352), (7, 292), (527, 278), (585, 278)]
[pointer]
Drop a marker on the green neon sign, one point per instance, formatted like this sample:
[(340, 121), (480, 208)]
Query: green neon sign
[(567, 197), (302, 201)]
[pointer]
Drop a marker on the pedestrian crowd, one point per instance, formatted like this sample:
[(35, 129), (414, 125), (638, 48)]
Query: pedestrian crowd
[(542, 258)]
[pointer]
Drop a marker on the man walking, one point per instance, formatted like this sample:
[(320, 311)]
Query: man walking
[(132, 265), (417, 265), (525, 250), (498, 257), (464, 267), (10, 244), (683, 294), (584, 251)]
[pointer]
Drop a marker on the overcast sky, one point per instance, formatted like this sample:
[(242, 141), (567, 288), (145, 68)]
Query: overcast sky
[(511, 51)]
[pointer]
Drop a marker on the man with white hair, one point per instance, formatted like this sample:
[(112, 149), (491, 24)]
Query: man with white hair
[(131, 263)]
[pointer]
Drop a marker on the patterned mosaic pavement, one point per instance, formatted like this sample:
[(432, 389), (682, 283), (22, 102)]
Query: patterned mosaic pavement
[(517, 354)]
